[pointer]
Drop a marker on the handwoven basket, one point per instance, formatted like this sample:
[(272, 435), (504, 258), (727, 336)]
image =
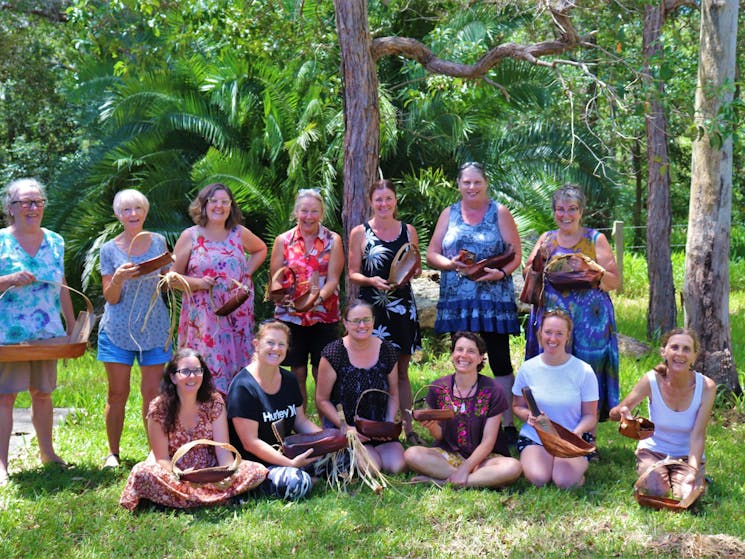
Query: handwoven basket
[(668, 503), (429, 414), (476, 270), (573, 271), (322, 442), (59, 347), (205, 475), (240, 295), (151, 265), (404, 265), (565, 444), (376, 430), (284, 290), (636, 428)]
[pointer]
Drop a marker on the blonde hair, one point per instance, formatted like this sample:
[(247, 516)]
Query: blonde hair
[(308, 193), (127, 196)]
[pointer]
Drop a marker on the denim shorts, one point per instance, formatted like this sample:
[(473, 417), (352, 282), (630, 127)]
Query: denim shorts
[(110, 353)]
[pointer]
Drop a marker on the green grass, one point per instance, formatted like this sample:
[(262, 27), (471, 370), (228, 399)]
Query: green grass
[(48, 513)]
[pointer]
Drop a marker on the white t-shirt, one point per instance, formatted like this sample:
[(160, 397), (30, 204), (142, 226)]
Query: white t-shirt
[(559, 390)]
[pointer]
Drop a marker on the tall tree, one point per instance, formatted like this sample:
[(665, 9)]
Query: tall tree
[(706, 286)]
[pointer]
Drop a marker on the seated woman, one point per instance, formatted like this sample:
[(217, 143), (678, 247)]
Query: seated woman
[(566, 391), (262, 394), (357, 362), (680, 401), (464, 453), (187, 408)]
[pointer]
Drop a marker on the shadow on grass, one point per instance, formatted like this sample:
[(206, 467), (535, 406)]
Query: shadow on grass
[(38, 482)]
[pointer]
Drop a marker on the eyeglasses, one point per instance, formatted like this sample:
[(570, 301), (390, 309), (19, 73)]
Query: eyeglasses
[(220, 202), (197, 372), (367, 320), (572, 210), (26, 204)]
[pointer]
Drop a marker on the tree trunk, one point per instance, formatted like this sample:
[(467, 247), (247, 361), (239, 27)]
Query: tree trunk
[(636, 215), (361, 114), (662, 310), (706, 287)]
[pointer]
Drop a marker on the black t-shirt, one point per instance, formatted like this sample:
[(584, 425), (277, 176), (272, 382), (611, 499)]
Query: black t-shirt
[(246, 399)]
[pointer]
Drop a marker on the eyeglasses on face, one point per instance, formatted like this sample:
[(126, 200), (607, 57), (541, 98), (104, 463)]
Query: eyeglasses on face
[(26, 204), (366, 320), (571, 210), (186, 372), (220, 202)]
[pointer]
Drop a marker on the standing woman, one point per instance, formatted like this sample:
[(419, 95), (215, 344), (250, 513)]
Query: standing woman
[(309, 248), (124, 333), (30, 310), (566, 390), (350, 365), (210, 256), (487, 305), (372, 246), (680, 402), (260, 395), (595, 338)]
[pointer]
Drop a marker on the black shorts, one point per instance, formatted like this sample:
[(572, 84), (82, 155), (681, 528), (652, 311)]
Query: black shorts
[(309, 341)]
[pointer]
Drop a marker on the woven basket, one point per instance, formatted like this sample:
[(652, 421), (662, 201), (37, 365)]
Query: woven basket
[(565, 444), (240, 295), (404, 265), (429, 414), (636, 428), (476, 270), (151, 265), (59, 347), (376, 430), (668, 503), (573, 271), (214, 474), (322, 442), (284, 290)]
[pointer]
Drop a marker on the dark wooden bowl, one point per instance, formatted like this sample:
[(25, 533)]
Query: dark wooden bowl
[(322, 442)]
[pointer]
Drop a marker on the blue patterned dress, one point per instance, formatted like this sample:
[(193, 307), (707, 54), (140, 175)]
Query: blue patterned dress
[(396, 318), (594, 337), (466, 305)]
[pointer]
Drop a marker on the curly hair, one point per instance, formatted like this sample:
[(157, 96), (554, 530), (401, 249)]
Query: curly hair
[(198, 206), (168, 388)]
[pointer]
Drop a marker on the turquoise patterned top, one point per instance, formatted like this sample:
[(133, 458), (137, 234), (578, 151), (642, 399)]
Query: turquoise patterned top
[(31, 312)]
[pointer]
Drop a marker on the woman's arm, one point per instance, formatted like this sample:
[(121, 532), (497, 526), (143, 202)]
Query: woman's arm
[(589, 418), (414, 240), (531, 256), (68, 312), (302, 423), (220, 435), (336, 266), (277, 259), (256, 249), (356, 240), (698, 433), (435, 258), (623, 410), (248, 432), (605, 258), (392, 408), (324, 386), (508, 231), (159, 443)]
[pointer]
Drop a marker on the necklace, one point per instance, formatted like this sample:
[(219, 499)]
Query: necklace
[(469, 394)]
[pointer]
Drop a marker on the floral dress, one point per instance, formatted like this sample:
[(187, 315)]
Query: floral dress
[(395, 311), (594, 337), (225, 342), (463, 433), (149, 480)]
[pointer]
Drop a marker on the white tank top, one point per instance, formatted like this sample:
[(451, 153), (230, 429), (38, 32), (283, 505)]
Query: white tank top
[(672, 429)]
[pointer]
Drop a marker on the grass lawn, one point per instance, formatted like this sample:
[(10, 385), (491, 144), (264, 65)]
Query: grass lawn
[(75, 513)]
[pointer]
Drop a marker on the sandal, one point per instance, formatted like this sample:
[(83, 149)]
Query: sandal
[(413, 439)]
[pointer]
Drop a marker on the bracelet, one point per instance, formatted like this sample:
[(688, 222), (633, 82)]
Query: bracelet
[(504, 275)]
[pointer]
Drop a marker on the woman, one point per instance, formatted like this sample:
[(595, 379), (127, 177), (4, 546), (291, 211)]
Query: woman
[(30, 310), (372, 247), (464, 454), (211, 257), (680, 402), (485, 305), (309, 249), (595, 340), (262, 394), (566, 391), (130, 329), (188, 408), (355, 363)]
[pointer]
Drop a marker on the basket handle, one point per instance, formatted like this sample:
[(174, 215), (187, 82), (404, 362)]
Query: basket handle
[(275, 277), (236, 284), (132, 243), (415, 400), (183, 449), (363, 394), (668, 461)]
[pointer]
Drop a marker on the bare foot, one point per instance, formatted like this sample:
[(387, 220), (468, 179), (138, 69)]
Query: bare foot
[(427, 479)]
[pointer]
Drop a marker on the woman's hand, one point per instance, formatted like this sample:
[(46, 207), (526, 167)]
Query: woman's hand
[(124, 272), (302, 460), (460, 476), (18, 279), (207, 283), (620, 412), (379, 283), (492, 274)]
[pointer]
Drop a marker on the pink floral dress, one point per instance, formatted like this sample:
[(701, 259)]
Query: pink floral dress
[(149, 480), (225, 342)]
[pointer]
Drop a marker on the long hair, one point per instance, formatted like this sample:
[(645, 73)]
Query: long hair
[(382, 184), (662, 367), (168, 389)]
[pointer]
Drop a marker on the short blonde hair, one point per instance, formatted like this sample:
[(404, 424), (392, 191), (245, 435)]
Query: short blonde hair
[(130, 196), (308, 193)]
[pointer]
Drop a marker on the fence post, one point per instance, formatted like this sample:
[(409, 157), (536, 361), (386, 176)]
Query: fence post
[(618, 243)]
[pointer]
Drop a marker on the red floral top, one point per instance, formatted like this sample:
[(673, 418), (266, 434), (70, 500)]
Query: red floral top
[(304, 262), (463, 433)]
